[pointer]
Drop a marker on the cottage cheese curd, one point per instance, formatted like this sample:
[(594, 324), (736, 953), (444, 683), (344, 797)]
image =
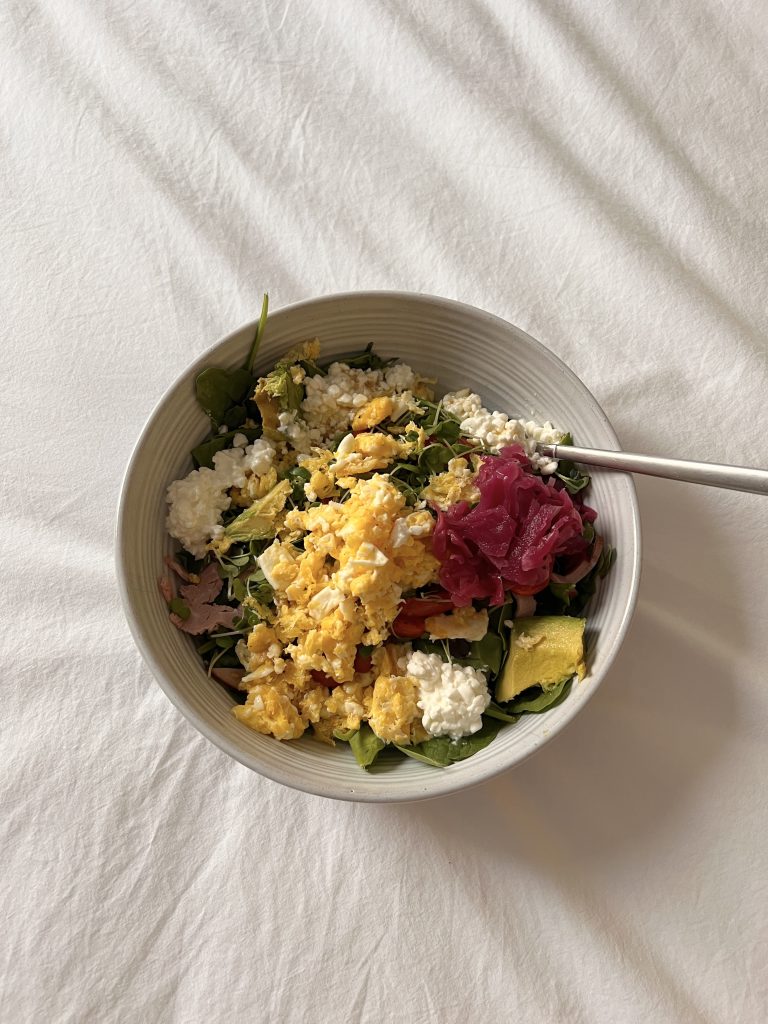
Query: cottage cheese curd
[(452, 697), (196, 502), (331, 401), (496, 429)]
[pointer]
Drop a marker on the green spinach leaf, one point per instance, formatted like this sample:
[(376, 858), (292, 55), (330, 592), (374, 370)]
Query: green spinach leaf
[(434, 459), (203, 454), (441, 751), (486, 654), (366, 745), (494, 710), (217, 390)]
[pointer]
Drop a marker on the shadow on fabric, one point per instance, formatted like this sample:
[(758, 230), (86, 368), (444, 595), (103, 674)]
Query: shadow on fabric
[(652, 736)]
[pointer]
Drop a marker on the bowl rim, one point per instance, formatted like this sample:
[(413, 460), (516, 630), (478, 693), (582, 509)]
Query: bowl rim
[(445, 784)]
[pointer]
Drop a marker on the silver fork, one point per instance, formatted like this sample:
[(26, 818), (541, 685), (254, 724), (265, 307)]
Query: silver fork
[(735, 478)]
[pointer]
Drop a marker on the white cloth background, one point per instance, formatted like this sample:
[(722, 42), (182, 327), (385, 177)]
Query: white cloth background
[(595, 173)]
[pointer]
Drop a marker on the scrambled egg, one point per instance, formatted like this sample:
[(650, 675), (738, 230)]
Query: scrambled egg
[(364, 453), (338, 572), (395, 715), (461, 624), (372, 413), (344, 588), (456, 484)]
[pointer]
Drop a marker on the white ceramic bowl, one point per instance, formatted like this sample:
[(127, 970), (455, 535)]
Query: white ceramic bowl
[(462, 347)]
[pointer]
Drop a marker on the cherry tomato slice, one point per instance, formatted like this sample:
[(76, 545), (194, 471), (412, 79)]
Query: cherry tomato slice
[(423, 607), (408, 629), (323, 680), (527, 591), (363, 662)]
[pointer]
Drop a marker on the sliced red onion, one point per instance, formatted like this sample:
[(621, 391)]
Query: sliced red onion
[(525, 605), (581, 570), (180, 571), (228, 676)]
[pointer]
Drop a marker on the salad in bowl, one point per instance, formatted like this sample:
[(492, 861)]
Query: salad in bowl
[(375, 563)]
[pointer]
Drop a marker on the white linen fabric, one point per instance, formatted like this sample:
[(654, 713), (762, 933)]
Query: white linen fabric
[(595, 173)]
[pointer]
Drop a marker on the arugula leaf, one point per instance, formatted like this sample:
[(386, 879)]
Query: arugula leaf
[(441, 751), (258, 521), (366, 745), (258, 336), (535, 700)]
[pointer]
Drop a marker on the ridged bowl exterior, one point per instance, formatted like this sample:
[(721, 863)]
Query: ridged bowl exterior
[(460, 346)]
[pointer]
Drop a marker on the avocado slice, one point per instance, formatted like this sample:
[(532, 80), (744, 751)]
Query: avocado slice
[(543, 650)]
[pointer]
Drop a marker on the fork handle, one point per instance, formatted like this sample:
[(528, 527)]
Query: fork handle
[(734, 478)]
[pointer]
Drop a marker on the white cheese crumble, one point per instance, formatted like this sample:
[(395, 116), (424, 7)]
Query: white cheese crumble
[(196, 502), (496, 429), (331, 401), (451, 697)]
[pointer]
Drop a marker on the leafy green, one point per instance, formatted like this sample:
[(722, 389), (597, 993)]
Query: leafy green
[(258, 521), (486, 654), (258, 589), (563, 592), (448, 430), (606, 560), (178, 607), (441, 751), (495, 710), (249, 618), (258, 336), (361, 360), (297, 477), (365, 745), (535, 700), (573, 478), (218, 390), (345, 735), (434, 459), (203, 454), (498, 616)]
